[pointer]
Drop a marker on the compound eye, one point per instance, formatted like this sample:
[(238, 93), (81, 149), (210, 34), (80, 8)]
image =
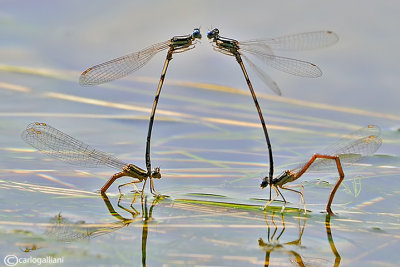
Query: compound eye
[(196, 33), (213, 33), (264, 183)]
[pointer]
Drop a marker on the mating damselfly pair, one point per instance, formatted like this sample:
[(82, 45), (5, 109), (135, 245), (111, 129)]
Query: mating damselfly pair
[(46, 138), (349, 149)]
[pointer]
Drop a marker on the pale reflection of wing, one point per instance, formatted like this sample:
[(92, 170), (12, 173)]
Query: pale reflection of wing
[(300, 41), (264, 76), (120, 67), (62, 229)]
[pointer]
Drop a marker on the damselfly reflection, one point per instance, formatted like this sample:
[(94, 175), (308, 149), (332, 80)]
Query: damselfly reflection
[(273, 241), (349, 149), (65, 230), (122, 66), (338, 258), (276, 229), (147, 217), (61, 146)]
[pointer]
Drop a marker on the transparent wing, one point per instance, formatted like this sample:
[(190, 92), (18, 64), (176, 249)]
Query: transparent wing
[(61, 146), (350, 148), (285, 64), (300, 41), (364, 141), (120, 67), (256, 48), (264, 76)]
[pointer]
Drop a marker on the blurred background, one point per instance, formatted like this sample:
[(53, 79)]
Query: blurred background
[(206, 137)]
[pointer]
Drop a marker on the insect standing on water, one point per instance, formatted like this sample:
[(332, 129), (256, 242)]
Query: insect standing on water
[(122, 66), (349, 149), (263, 50), (61, 146)]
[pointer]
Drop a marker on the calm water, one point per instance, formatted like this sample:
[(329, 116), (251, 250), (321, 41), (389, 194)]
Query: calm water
[(206, 138)]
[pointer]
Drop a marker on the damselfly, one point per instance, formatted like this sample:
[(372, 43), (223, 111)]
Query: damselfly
[(61, 146), (349, 149), (263, 50), (122, 66)]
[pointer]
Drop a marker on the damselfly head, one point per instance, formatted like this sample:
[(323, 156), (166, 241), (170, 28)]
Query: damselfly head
[(271, 181), (156, 173), (213, 33), (265, 182), (196, 33)]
